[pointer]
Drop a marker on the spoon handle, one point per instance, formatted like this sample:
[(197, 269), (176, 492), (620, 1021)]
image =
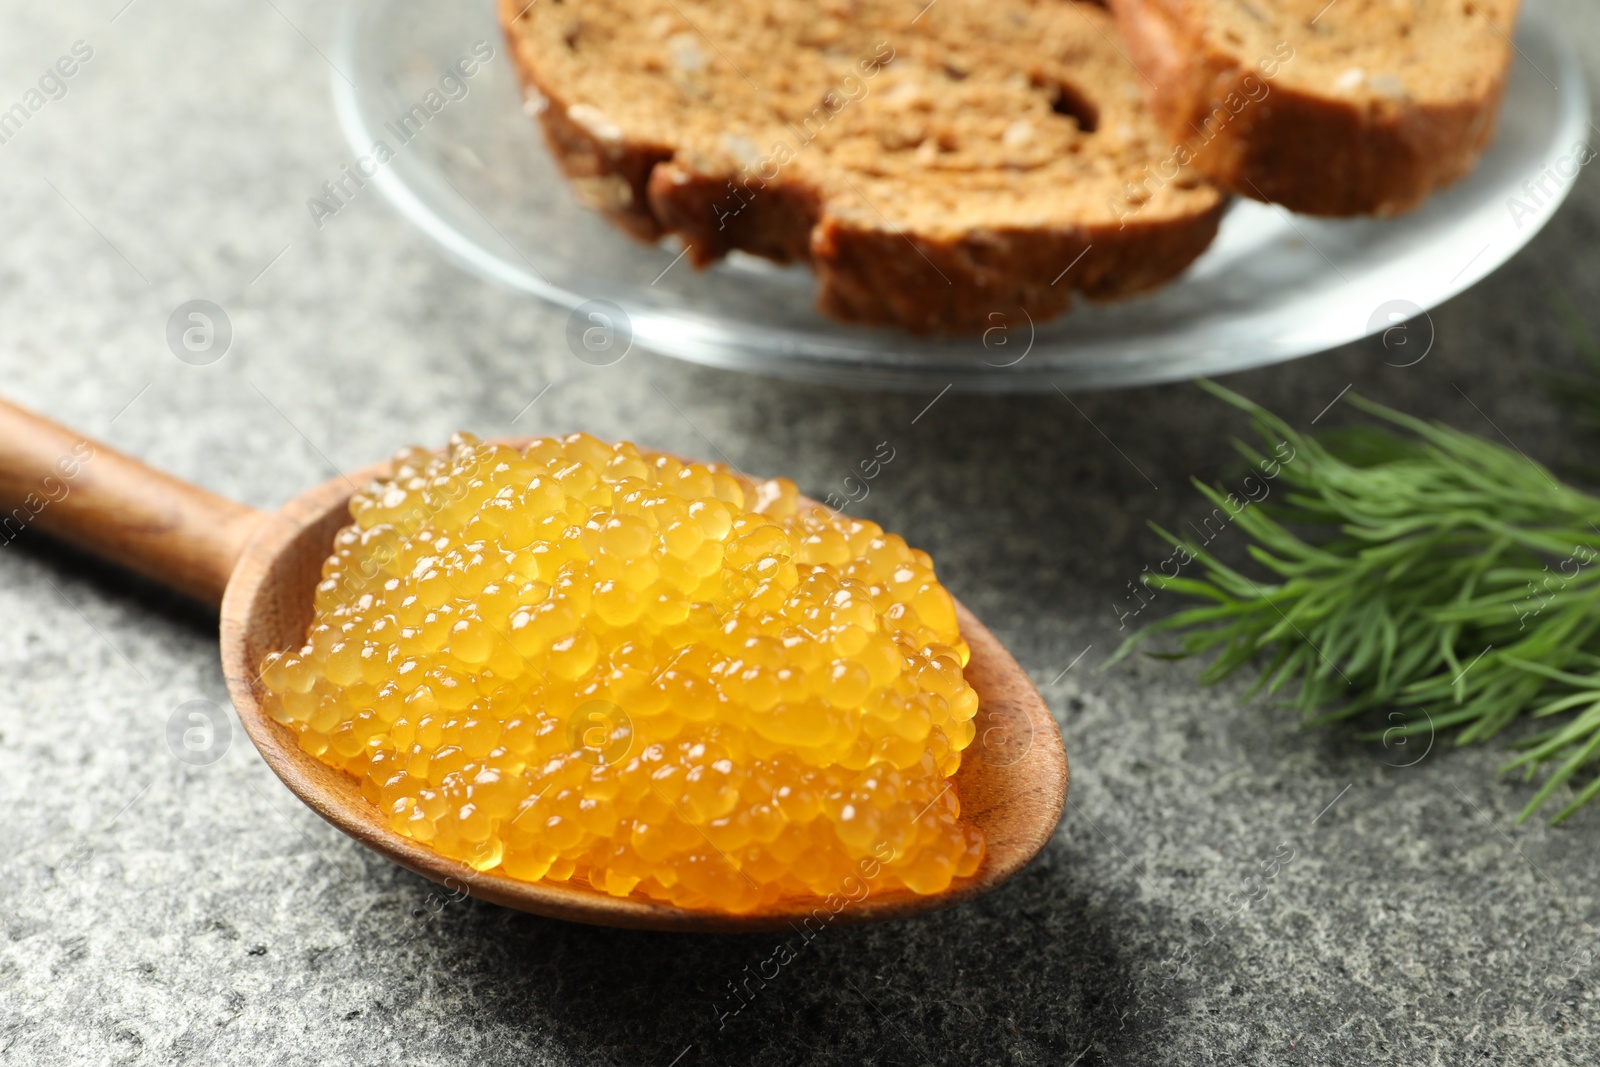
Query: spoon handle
[(104, 502)]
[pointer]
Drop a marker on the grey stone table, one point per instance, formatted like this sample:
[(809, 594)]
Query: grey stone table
[(157, 912)]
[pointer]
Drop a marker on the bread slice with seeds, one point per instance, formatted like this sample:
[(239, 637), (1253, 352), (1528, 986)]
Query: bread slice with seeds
[(936, 165), (1348, 107)]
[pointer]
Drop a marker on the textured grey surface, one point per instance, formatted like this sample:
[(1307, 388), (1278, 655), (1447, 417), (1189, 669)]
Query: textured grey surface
[(155, 912)]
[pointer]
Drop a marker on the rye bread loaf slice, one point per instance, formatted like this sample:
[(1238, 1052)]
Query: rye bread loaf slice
[(1352, 107), (936, 165)]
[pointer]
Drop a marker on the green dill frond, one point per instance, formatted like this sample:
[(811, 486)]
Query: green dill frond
[(1405, 564)]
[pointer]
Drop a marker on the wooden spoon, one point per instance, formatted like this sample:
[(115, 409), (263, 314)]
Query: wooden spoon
[(262, 568)]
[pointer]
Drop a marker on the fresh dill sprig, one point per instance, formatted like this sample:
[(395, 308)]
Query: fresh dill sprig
[(1407, 565)]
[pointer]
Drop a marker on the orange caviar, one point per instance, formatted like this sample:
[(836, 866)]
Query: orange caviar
[(587, 661)]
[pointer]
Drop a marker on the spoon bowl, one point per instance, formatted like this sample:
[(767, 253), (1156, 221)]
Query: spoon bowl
[(1012, 782)]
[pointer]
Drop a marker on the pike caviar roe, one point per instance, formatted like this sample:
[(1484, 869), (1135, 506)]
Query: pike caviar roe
[(586, 661)]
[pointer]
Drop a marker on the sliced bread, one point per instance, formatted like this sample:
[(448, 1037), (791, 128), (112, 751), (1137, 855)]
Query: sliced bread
[(1330, 107), (938, 165)]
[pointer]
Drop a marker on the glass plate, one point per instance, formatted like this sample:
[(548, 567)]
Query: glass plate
[(473, 173)]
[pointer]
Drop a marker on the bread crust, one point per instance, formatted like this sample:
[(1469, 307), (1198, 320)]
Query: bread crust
[(927, 283), (1317, 153), (984, 280)]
